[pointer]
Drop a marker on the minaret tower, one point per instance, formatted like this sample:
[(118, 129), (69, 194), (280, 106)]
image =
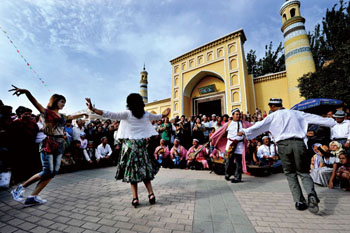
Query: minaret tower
[(298, 56), (143, 85)]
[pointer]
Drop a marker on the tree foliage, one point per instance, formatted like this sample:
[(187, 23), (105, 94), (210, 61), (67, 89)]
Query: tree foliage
[(272, 62), (334, 33), (330, 45)]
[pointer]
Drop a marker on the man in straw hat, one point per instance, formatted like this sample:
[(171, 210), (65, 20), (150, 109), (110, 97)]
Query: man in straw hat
[(289, 128)]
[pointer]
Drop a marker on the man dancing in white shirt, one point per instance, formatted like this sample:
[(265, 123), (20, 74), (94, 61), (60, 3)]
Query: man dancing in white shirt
[(289, 127)]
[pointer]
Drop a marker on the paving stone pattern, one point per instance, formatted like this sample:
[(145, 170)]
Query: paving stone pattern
[(187, 201)]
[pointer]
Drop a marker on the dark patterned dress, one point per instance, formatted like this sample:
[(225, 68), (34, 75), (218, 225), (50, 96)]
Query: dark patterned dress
[(136, 164)]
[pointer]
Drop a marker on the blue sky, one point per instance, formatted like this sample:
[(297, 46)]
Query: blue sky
[(97, 48)]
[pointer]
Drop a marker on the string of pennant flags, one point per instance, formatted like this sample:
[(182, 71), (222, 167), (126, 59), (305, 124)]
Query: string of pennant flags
[(25, 60)]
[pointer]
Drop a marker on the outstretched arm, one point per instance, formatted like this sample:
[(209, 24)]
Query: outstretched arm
[(92, 108), (166, 112), (18, 91), (71, 117)]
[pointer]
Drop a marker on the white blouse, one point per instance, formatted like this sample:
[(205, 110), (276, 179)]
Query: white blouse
[(131, 127)]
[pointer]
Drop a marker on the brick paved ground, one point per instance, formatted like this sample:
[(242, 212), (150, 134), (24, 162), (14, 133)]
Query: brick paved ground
[(187, 201)]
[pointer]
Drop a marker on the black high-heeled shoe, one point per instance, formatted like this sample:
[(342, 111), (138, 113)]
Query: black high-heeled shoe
[(152, 201), (135, 202)]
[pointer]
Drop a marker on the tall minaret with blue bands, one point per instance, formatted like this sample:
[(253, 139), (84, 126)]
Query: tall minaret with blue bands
[(298, 56), (143, 85)]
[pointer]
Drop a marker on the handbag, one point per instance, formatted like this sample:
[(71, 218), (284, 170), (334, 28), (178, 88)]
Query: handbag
[(5, 178)]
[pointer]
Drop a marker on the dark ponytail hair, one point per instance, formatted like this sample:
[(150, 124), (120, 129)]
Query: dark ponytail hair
[(53, 102), (136, 105)]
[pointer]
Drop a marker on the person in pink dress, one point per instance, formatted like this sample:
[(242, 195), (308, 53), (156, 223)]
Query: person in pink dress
[(161, 154), (200, 157), (178, 154)]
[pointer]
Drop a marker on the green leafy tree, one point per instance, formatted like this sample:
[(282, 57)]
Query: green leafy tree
[(333, 81), (335, 32), (331, 51), (272, 62)]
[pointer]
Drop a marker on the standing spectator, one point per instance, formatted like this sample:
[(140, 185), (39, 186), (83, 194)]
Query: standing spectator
[(213, 121), (77, 130), (89, 131), (218, 124), (225, 119), (68, 128), (98, 135), (207, 126), (5, 137), (198, 130), (166, 129), (25, 161)]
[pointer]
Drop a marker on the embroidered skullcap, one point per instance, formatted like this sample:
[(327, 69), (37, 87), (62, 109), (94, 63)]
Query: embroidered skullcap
[(213, 115), (235, 110), (176, 139), (275, 101), (82, 134), (265, 137), (339, 114), (195, 139)]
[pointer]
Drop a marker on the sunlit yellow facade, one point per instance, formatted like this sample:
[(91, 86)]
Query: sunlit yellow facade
[(213, 78)]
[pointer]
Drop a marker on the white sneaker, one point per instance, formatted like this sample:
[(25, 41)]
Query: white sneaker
[(17, 193), (34, 200)]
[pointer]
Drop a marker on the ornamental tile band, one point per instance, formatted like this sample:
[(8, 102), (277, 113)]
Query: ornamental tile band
[(296, 51)]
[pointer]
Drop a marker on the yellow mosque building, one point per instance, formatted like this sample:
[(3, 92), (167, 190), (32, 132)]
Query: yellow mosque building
[(213, 78)]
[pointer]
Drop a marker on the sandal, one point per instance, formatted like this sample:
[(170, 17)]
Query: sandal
[(152, 201), (135, 202)]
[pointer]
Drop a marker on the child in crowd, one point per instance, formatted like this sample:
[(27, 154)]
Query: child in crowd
[(343, 172), (316, 160), (83, 141)]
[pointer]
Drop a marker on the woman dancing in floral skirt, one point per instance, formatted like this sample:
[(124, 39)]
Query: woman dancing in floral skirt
[(135, 164)]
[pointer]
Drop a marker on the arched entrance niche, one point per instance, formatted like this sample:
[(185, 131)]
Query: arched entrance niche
[(204, 93)]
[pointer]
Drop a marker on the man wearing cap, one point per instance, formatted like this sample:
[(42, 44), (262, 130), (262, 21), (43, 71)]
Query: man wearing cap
[(289, 128), (341, 131), (201, 153), (267, 153), (235, 157), (213, 121), (178, 154)]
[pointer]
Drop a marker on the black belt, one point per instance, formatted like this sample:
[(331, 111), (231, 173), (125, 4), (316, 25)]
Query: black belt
[(293, 139)]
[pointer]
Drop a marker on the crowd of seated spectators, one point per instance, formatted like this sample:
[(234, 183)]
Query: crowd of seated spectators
[(182, 142)]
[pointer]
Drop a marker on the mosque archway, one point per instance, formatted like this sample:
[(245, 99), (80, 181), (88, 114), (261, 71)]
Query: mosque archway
[(204, 94)]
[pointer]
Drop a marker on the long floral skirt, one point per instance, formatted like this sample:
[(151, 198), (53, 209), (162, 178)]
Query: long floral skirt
[(135, 163)]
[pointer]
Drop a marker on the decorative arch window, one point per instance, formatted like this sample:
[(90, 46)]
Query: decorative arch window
[(292, 12), (284, 17)]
